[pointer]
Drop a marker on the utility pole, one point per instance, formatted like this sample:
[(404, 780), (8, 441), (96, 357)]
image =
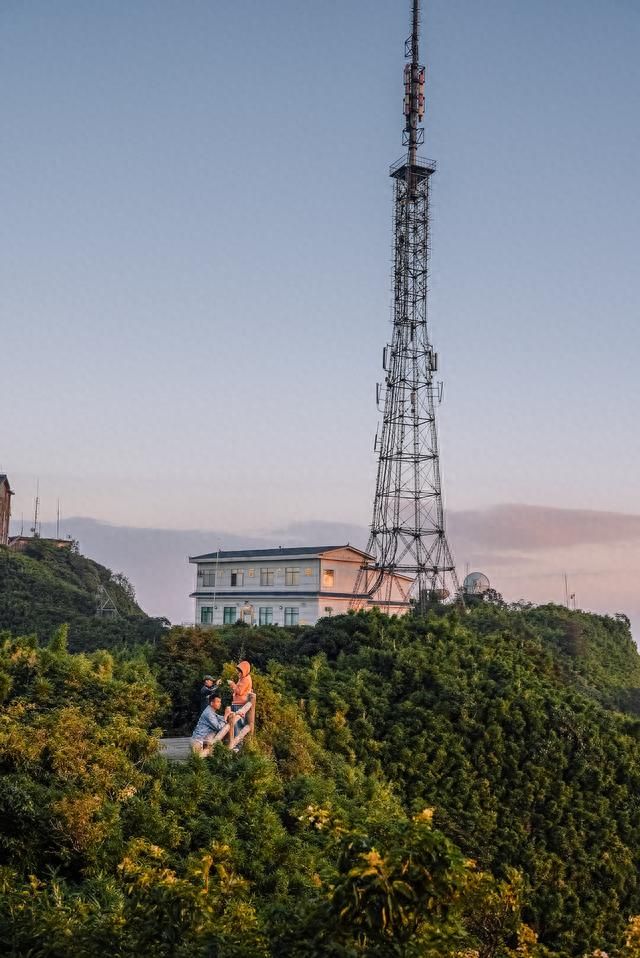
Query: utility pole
[(408, 530)]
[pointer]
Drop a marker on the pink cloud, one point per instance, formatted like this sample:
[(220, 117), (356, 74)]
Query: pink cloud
[(522, 528)]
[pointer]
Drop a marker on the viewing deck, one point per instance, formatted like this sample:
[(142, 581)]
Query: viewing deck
[(179, 749)]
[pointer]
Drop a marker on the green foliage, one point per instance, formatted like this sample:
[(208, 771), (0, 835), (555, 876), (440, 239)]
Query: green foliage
[(494, 718), (460, 786), (46, 587)]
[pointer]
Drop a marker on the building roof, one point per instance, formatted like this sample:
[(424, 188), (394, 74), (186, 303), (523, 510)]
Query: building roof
[(288, 553)]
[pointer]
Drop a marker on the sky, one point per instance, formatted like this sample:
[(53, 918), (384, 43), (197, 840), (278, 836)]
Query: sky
[(195, 248)]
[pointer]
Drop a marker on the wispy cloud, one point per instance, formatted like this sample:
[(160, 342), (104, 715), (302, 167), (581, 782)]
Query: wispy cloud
[(522, 528), (524, 549)]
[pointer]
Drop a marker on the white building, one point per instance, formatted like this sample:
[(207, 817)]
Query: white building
[(295, 586)]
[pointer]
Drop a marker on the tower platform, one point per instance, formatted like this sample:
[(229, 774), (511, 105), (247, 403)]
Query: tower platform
[(421, 169)]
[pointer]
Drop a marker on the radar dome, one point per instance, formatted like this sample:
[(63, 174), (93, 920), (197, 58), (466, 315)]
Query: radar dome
[(476, 583)]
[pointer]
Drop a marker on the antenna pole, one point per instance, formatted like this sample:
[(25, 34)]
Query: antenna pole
[(414, 101), (412, 119), (36, 534)]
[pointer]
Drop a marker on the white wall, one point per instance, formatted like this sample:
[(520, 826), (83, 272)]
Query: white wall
[(251, 569), (344, 564), (309, 610)]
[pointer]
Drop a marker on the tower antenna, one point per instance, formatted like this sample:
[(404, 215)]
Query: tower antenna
[(413, 89), (35, 529), (408, 546)]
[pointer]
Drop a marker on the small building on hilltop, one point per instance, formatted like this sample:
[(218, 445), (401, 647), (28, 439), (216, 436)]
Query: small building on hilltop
[(5, 508), (292, 586), (23, 543)]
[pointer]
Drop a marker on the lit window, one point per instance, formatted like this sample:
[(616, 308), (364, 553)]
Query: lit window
[(251, 573), (291, 616), (327, 578), (291, 576), (265, 616), (308, 571), (266, 576), (237, 577), (230, 614), (208, 578), (206, 614)]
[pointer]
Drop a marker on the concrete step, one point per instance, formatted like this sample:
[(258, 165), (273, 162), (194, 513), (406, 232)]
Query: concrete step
[(176, 749)]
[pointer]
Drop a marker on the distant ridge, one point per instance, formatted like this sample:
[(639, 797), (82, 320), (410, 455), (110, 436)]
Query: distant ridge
[(43, 587)]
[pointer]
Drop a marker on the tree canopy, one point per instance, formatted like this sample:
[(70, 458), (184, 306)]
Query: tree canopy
[(458, 785)]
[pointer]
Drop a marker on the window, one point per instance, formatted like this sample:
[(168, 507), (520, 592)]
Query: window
[(291, 576), (291, 616), (208, 578), (265, 616), (237, 577), (206, 614), (308, 571), (327, 578), (230, 614), (266, 576)]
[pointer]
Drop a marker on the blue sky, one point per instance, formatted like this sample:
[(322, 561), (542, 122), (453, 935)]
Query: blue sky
[(195, 253)]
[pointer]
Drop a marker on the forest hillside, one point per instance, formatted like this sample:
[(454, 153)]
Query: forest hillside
[(45, 587), (463, 785)]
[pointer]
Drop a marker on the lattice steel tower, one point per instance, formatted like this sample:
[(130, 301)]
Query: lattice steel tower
[(407, 531)]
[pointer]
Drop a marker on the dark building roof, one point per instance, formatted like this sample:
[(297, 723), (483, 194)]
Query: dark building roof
[(272, 553)]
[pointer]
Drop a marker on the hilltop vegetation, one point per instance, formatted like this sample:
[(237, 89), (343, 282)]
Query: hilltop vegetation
[(494, 720), (45, 587), (461, 785)]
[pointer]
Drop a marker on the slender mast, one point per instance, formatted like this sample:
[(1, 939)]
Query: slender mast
[(413, 73)]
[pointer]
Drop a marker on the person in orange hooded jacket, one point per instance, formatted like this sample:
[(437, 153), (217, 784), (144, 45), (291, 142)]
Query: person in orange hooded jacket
[(241, 690)]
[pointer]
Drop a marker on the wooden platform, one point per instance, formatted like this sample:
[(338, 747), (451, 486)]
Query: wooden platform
[(179, 749), (175, 749)]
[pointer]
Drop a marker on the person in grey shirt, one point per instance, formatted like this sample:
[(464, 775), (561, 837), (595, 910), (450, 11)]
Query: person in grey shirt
[(210, 687), (209, 724)]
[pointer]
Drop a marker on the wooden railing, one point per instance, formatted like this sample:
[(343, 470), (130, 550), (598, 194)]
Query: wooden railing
[(247, 711)]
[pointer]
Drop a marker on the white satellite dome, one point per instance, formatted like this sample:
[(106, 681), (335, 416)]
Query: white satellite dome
[(476, 583)]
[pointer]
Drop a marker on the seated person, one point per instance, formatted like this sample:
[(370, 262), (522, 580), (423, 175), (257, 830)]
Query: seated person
[(209, 724)]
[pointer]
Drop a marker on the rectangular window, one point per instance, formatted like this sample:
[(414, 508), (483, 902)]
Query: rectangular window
[(291, 576), (208, 578), (230, 614), (206, 614), (291, 616), (266, 576), (237, 577), (327, 578), (308, 571), (265, 616)]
